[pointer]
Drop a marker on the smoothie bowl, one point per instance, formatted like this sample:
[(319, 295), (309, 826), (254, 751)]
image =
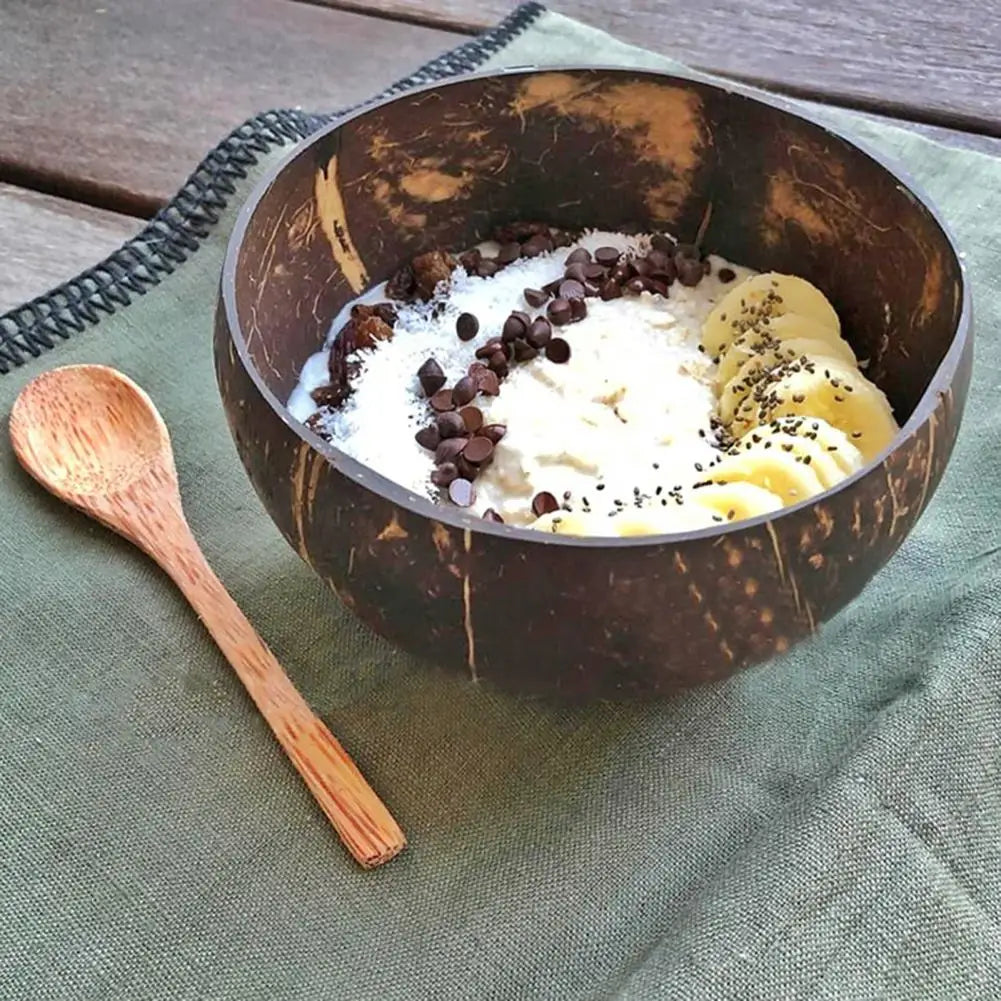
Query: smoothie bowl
[(591, 382)]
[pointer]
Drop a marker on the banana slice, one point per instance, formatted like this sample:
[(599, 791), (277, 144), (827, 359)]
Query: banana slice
[(757, 367), (844, 398), (741, 386), (773, 470), (661, 520), (803, 450), (760, 298), (793, 324), (565, 523), (835, 444), (651, 521), (736, 500), (792, 338)]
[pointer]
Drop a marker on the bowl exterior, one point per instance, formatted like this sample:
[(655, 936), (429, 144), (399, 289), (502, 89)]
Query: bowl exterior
[(582, 621), (531, 613)]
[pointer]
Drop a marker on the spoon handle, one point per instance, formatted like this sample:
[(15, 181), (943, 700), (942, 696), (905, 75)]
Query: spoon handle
[(363, 822)]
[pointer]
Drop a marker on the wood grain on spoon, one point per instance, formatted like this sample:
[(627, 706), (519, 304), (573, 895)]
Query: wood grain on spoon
[(93, 438)]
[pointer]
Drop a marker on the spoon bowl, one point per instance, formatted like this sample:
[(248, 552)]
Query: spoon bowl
[(82, 431)]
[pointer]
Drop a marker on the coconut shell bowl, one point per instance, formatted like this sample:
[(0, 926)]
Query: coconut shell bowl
[(548, 614)]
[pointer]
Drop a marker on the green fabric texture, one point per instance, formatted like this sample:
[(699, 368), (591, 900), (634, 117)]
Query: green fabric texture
[(824, 827)]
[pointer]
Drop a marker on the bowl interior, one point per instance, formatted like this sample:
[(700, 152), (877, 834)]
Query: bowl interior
[(595, 148)]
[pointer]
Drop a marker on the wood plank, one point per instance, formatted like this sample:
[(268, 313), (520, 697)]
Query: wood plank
[(915, 59), (50, 240), (115, 101), (55, 239), (976, 141)]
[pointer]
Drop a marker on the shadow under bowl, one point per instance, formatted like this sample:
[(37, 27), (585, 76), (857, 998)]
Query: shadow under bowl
[(439, 167)]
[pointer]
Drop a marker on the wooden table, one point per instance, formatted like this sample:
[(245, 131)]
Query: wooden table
[(108, 104)]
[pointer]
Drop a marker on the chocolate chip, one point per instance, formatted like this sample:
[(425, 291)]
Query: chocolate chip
[(686, 250), (498, 363), (578, 310), (462, 492), (478, 450), (544, 503), (467, 326), (487, 268), (610, 290), (494, 432), (575, 272), (466, 469), (640, 266), (659, 260), (620, 273), (508, 252), (535, 297), (608, 256), (540, 332), (690, 271), (635, 285), (514, 327), (559, 311), (442, 401), (726, 275), (492, 346), (463, 391), (444, 474), (580, 255), (474, 367), (536, 245), (523, 351), (448, 449), (661, 242), (558, 351), (667, 274), (591, 290), (553, 286), (488, 383), (450, 425), (428, 437), (472, 418), (571, 289), (431, 377), (660, 288), (594, 272), (491, 515)]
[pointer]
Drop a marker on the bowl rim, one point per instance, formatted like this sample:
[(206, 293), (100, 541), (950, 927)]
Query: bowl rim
[(460, 518)]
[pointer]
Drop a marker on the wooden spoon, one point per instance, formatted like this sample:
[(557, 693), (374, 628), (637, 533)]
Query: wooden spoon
[(93, 438)]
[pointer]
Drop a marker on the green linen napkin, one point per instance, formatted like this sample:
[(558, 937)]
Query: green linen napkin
[(824, 827)]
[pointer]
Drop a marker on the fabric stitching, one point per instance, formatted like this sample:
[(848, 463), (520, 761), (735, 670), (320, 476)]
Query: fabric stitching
[(179, 228)]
